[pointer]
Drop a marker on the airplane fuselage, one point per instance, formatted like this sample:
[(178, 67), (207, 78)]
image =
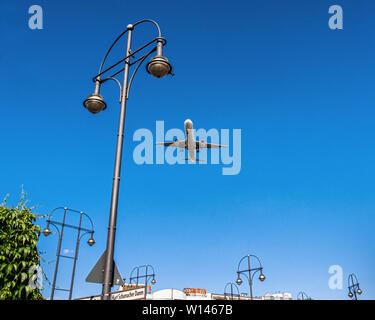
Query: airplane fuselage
[(190, 142), (189, 135)]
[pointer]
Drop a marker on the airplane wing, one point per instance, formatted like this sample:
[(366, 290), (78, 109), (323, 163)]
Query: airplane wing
[(176, 143), (203, 144), (167, 144)]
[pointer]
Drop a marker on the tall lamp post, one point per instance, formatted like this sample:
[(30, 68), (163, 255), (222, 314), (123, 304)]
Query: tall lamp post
[(249, 271), (353, 287), (47, 232), (158, 66)]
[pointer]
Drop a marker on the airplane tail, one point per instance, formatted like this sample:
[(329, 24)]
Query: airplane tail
[(195, 160)]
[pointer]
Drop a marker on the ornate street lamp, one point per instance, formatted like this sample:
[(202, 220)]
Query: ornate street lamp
[(142, 272), (353, 287), (159, 67), (231, 295), (303, 296), (47, 232), (250, 271)]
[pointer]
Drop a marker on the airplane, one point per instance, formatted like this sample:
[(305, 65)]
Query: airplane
[(190, 143)]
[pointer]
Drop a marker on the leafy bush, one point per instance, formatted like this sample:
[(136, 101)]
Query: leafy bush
[(18, 252)]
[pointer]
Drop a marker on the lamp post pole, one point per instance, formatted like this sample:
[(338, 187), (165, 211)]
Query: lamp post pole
[(58, 253), (108, 268), (250, 279), (158, 67)]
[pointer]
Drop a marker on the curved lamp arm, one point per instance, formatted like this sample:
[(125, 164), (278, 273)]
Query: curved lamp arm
[(244, 274), (114, 79), (152, 21), (249, 255), (131, 278), (131, 273), (122, 34), (352, 277), (148, 265), (118, 83), (50, 214), (135, 71), (92, 225), (51, 223), (83, 234), (252, 277), (260, 264), (109, 50), (72, 210)]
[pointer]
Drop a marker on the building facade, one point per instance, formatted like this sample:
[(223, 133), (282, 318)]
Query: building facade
[(202, 294)]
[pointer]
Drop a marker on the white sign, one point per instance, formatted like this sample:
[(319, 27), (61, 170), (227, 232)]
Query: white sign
[(132, 294)]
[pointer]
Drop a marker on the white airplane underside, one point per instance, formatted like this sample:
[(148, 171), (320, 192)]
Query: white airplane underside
[(190, 143)]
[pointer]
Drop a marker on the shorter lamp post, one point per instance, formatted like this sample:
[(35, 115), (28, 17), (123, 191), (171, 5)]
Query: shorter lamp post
[(353, 287), (231, 295), (250, 271), (303, 296), (137, 274), (47, 232)]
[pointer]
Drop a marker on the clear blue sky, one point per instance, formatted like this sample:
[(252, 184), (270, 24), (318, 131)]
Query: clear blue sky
[(302, 94)]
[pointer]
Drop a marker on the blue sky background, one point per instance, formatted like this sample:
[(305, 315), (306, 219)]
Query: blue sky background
[(301, 93)]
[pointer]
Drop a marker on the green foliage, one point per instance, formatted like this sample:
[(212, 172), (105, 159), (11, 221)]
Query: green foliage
[(18, 251)]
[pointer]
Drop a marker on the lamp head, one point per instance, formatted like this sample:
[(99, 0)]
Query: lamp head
[(350, 294), (359, 291), (91, 242), (262, 277), (46, 231), (239, 281), (94, 103), (153, 281), (159, 66)]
